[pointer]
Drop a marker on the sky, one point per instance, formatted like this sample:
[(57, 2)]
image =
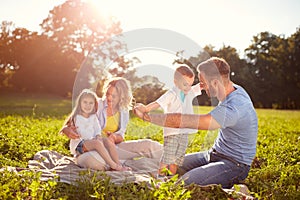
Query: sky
[(214, 22), (211, 22)]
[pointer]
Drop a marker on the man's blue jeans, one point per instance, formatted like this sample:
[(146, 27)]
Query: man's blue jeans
[(205, 168)]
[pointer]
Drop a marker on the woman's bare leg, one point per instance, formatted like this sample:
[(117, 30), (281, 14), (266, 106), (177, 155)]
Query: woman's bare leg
[(140, 148)]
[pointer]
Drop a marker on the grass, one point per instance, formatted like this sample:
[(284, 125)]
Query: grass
[(34, 105), (30, 123)]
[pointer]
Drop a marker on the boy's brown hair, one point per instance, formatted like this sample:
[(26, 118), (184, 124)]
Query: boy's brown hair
[(183, 71)]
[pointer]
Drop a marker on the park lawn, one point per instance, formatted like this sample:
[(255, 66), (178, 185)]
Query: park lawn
[(34, 104), (30, 123)]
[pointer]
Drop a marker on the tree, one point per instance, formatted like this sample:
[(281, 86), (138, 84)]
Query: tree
[(238, 66), (77, 26), (89, 34), (145, 86), (42, 66), (267, 58), (49, 62), (8, 64), (292, 72)]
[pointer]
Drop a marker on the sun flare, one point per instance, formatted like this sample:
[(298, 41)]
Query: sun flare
[(105, 8)]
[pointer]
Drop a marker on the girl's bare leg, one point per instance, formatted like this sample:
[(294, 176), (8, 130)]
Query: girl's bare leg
[(98, 145), (111, 147), (113, 152)]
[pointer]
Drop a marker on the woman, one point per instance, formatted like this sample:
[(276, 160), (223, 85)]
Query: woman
[(113, 116)]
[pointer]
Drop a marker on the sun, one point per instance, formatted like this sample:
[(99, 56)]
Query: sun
[(104, 7)]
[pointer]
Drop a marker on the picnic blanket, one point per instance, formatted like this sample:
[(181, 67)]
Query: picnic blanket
[(53, 164)]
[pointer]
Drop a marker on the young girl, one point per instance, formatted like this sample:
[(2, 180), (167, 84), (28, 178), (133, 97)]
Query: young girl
[(84, 118)]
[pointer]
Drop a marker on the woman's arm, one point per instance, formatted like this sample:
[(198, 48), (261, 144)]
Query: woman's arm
[(70, 132), (69, 129), (115, 138)]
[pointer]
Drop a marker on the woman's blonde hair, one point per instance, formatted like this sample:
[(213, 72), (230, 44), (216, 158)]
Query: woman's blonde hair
[(123, 88)]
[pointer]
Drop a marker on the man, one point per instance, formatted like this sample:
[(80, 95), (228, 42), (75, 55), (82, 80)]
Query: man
[(228, 161)]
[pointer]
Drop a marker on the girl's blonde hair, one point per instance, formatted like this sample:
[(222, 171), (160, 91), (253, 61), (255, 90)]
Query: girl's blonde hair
[(77, 108), (123, 88)]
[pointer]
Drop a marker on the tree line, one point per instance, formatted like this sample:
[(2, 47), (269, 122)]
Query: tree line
[(49, 61)]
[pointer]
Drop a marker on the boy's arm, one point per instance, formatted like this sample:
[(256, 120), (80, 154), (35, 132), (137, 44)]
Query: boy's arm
[(152, 106), (147, 108)]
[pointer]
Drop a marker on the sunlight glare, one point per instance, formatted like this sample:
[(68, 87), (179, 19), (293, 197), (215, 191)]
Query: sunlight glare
[(104, 7)]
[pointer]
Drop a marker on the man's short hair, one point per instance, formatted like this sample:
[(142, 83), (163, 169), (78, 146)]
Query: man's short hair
[(214, 67)]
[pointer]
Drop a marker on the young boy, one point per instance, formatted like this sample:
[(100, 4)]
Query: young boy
[(176, 100)]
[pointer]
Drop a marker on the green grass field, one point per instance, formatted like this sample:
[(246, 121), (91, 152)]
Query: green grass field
[(30, 123)]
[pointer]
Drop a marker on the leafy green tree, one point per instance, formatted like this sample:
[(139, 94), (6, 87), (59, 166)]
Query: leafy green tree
[(8, 64), (145, 86), (41, 65), (239, 68), (267, 59), (239, 71), (292, 72)]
